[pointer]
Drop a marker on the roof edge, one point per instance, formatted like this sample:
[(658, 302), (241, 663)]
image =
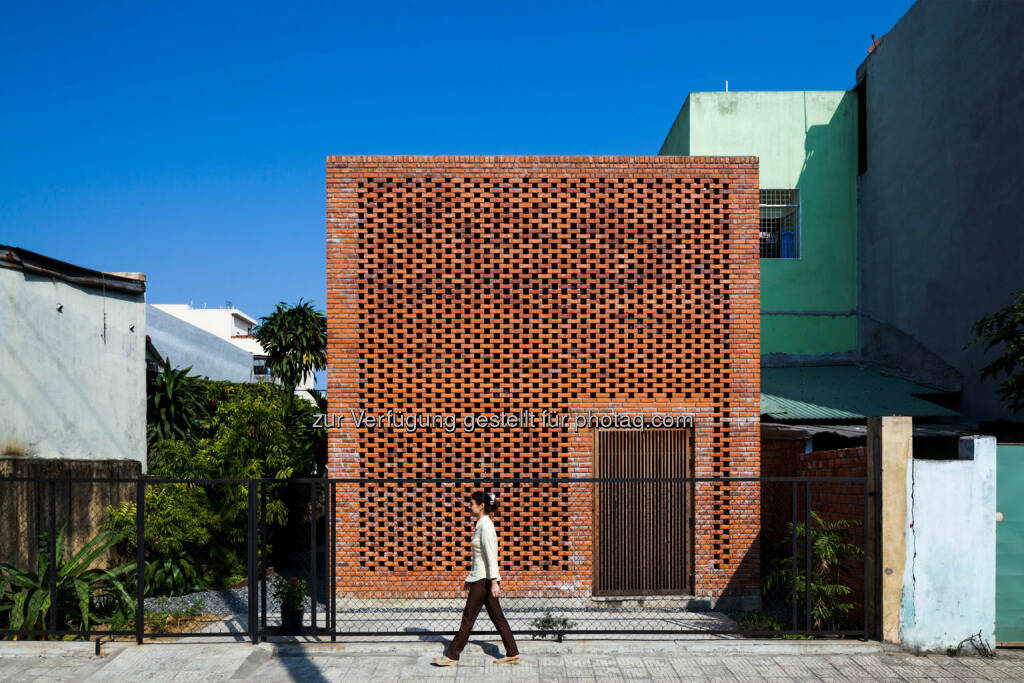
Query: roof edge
[(16, 258)]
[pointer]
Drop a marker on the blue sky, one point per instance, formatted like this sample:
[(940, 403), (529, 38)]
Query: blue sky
[(187, 141)]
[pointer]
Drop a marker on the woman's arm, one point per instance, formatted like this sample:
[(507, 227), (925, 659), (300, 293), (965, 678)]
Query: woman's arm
[(489, 547)]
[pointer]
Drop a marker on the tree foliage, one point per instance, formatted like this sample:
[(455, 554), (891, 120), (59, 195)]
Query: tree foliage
[(831, 552), (173, 406), (295, 339), (196, 533), (1006, 329)]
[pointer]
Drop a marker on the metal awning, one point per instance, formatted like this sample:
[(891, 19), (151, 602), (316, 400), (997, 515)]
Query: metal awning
[(844, 392)]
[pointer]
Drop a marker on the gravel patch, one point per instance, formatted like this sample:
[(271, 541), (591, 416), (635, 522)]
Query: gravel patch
[(227, 601)]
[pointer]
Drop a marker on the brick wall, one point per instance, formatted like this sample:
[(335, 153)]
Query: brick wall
[(496, 284)]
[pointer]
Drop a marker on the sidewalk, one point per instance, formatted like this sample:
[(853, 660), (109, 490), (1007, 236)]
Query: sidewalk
[(589, 660)]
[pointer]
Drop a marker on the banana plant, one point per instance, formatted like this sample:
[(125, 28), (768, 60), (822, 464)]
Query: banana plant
[(84, 594)]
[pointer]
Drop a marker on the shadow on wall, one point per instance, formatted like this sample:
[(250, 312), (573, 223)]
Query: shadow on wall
[(821, 196)]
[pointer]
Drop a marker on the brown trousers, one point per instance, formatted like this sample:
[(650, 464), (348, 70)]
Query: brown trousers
[(480, 596)]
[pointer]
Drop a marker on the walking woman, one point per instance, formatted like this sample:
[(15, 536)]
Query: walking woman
[(483, 584)]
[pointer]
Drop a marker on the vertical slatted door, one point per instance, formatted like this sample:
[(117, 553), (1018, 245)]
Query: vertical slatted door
[(643, 529)]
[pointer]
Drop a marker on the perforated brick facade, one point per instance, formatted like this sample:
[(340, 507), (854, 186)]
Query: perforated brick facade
[(469, 285)]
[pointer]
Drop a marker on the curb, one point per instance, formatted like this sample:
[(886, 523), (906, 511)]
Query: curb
[(616, 646), (531, 647)]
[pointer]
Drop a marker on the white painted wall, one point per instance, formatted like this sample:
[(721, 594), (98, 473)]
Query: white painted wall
[(226, 323), (949, 582), (229, 324), (72, 381), (188, 346)]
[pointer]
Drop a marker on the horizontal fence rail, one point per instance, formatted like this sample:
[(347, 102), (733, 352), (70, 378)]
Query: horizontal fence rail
[(157, 557)]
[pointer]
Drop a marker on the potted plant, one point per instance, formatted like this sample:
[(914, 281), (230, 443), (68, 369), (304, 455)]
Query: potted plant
[(291, 595)]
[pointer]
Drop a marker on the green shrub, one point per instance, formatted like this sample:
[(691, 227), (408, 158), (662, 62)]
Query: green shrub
[(555, 627), (239, 431), (759, 621), (85, 595), (171, 575), (831, 553), (290, 593), (172, 406)]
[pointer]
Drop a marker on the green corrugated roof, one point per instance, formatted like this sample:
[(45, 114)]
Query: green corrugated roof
[(842, 392)]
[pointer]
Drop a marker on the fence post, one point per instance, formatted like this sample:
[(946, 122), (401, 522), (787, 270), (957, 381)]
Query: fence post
[(140, 559), (312, 565), (793, 557), (865, 539), (807, 554), (252, 569), (331, 551), (53, 552), (263, 558)]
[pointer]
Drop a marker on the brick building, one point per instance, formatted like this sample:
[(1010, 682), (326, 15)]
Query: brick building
[(498, 285)]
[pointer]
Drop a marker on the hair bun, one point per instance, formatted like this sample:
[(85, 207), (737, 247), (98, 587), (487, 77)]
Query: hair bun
[(492, 498)]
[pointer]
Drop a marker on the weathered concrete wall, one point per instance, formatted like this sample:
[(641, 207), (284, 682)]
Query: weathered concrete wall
[(804, 140), (949, 580), (187, 345), (73, 378), (940, 227)]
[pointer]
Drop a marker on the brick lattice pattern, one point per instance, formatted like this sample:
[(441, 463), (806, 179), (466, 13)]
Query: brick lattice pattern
[(496, 284)]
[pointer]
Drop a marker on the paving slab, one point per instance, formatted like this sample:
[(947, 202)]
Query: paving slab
[(657, 660)]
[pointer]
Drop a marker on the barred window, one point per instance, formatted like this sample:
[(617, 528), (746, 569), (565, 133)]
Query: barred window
[(780, 223)]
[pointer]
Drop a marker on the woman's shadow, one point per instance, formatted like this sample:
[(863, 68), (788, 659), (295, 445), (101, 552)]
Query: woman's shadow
[(489, 648)]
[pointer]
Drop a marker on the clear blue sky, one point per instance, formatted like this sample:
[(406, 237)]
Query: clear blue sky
[(188, 141)]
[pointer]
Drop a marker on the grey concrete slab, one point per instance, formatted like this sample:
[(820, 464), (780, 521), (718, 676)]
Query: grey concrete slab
[(410, 661)]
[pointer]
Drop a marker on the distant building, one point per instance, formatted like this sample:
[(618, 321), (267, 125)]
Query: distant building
[(940, 232), (806, 146), (228, 325), (73, 359), (184, 344), (887, 222)]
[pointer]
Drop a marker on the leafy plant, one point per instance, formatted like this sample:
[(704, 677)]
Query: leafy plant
[(1006, 328), (84, 594), (831, 552), (172, 407), (171, 575), (552, 625), (184, 523), (290, 593), (759, 621), (295, 339)]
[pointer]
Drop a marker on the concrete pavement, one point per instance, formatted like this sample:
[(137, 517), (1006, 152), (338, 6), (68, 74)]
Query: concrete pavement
[(589, 660)]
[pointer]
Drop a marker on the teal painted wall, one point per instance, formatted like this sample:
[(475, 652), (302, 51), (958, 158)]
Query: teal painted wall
[(806, 140), (1010, 544)]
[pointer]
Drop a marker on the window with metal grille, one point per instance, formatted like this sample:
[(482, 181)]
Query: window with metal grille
[(780, 223)]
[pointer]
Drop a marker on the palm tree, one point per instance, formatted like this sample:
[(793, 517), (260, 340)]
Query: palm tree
[(295, 339)]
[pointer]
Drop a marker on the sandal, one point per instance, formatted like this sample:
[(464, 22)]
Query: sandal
[(445, 661), (514, 659)]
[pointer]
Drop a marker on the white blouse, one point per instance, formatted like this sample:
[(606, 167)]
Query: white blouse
[(485, 551)]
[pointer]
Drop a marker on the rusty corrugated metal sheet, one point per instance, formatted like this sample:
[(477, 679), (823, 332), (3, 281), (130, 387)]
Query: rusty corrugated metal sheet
[(27, 261)]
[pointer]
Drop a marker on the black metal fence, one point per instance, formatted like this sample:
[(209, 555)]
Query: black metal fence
[(187, 558)]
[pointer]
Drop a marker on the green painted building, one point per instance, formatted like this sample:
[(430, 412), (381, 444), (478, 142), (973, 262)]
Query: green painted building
[(807, 146)]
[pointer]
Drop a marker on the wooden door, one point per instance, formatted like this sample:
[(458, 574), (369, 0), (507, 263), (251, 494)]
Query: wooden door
[(643, 530)]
